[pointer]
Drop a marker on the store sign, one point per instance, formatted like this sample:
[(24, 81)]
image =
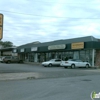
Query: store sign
[(79, 45), (22, 50), (34, 49), (1, 26), (1, 19), (53, 47), (7, 53), (1, 32)]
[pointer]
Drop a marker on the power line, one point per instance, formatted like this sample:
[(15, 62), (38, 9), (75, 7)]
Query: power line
[(86, 3), (47, 16), (32, 14)]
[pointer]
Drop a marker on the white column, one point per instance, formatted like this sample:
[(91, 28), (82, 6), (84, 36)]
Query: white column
[(93, 51), (35, 57), (56, 56)]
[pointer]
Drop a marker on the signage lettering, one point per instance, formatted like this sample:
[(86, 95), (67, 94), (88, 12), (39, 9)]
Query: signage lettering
[(79, 45), (53, 47)]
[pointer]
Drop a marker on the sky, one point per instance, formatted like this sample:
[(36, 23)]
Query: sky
[(27, 21)]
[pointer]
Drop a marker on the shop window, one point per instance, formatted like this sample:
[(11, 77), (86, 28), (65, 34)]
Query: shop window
[(87, 56), (53, 55), (70, 55), (76, 55), (49, 56), (57, 60), (90, 56), (82, 55), (67, 55), (63, 56)]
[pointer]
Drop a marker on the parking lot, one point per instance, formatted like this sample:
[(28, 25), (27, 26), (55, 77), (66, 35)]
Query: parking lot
[(46, 72), (46, 83)]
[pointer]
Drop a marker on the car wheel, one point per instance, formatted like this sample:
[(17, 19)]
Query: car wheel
[(9, 61), (87, 66), (50, 65), (73, 66), (20, 61), (44, 66), (65, 67)]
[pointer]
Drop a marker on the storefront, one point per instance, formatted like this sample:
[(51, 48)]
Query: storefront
[(85, 48), (9, 51)]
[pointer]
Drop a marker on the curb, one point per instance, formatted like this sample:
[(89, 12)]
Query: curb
[(19, 76), (32, 63)]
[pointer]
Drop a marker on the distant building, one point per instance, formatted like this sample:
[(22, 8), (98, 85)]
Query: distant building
[(84, 48), (9, 51), (1, 46)]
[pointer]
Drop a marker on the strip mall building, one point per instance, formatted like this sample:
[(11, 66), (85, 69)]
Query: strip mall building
[(84, 48)]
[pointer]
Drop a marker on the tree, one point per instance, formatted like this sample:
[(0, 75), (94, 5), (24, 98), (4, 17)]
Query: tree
[(6, 44), (1, 42)]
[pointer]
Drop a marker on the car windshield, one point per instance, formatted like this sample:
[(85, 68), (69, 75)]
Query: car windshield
[(79, 60), (71, 60), (52, 60), (7, 57)]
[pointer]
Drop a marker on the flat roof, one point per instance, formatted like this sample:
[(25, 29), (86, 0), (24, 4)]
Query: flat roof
[(62, 41)]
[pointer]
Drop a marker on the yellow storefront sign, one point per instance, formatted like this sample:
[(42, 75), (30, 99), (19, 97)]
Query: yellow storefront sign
[(79, 45), (1, 31), (1, 26), (1, 19)]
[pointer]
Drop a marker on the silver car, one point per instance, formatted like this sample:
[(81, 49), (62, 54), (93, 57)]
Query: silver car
[(52, 62), (1, 58), (75, 63)]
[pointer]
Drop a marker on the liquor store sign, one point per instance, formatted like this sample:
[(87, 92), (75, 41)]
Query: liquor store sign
[(79, 45), (1, 26)]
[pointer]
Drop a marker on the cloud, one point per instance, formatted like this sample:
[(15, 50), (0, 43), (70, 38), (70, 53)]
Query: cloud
[(30, 20)]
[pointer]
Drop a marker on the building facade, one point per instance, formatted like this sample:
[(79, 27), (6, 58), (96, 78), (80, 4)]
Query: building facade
[(9, 51), (84, 48)]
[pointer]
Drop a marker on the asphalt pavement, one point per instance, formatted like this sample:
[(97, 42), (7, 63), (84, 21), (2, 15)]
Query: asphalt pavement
[(70, 88), (34, 82), (35, 71)]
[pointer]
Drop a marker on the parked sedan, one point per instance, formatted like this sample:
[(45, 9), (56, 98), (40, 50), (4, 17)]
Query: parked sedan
[(52, 62), (74, 63)]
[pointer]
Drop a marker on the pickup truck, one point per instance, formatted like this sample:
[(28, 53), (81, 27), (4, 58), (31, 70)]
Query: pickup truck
[(12, 59)]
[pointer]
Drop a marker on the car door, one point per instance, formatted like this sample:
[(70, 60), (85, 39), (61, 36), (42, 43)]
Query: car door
[(57, 62), (14, 59), (77, 63), (80, 63)]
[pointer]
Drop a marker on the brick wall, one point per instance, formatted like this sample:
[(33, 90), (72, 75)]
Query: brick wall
[(97, 60)]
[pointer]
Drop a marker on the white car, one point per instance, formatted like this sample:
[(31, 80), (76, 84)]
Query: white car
[(1, 58), (74, 63), (52, 62)]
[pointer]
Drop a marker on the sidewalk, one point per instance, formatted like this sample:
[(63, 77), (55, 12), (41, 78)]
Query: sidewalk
[(32, 63), (19, 76), (27, 75)]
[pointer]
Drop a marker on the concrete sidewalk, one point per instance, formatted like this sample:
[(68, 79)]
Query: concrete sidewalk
[(19, 76), (29, 75), (39, 75), (32, 63)]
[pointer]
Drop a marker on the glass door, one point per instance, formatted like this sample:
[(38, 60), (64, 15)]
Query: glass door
[(76, 55)]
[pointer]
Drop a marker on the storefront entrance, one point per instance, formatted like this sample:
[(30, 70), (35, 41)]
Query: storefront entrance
[(84, 55)]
